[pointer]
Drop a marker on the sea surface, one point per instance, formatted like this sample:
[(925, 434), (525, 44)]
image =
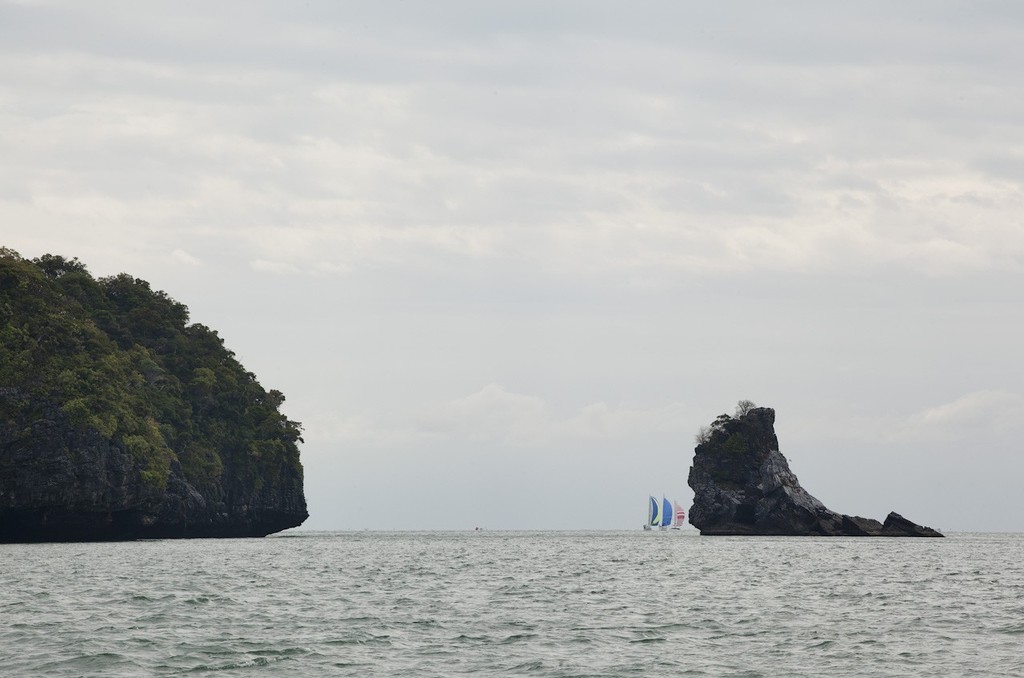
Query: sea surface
[(517, 604)]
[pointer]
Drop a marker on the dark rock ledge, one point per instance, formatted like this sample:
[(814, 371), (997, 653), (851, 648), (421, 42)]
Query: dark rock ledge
[(61, 484), (743, 486)]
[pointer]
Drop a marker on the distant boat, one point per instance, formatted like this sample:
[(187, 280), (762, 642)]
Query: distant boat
[(653, 514), (659, 514), (680, 517)]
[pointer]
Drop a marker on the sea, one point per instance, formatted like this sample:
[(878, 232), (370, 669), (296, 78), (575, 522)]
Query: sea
[(497, 603)]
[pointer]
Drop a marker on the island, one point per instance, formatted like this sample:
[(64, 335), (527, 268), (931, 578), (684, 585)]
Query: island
[(742, 485), (121, 420)]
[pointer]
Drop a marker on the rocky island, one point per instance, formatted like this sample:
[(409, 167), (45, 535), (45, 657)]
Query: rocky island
[(121, 420), (743, 486)]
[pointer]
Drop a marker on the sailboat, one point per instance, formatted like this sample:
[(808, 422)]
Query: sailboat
[(659, 514), (653, 514), (680, 516)]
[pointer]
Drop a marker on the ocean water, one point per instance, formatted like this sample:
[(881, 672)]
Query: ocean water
[(515, 603)]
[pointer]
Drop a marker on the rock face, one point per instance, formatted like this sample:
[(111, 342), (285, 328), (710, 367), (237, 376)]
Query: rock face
[(61, 483), (743, 486)]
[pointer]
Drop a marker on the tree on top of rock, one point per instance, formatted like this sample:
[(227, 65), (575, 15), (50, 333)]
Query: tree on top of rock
[(743, 407)]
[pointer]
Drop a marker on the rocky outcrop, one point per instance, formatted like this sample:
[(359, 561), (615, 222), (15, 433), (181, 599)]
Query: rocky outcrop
[(120, 419), (743, 485), (62, 483)]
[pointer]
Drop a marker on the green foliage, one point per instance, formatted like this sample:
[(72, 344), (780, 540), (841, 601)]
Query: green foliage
[(201, 465), (77, 410), (735, 447), (55, 266), (729, 460), (706, 433), (122, 359)]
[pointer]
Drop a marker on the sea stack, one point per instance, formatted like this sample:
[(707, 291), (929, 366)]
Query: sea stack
[(743, 486), (121, 420)]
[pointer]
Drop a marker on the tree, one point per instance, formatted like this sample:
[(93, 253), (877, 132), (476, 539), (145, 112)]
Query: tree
[(743, 407), (55, 266)]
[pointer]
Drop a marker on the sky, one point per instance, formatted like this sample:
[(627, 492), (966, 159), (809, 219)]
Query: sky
[(505, 259)]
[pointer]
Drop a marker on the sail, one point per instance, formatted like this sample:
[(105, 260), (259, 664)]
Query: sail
[(654, 513), (666, 513), (680, 515)]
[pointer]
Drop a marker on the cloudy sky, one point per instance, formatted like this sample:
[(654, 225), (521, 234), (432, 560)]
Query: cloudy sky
[(505, 259)]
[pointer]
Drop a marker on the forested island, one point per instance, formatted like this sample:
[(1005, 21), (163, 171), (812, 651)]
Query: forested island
[(120, 419)]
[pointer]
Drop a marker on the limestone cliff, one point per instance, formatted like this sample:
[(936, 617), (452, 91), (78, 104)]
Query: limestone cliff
[(743, 486), (120, 420)]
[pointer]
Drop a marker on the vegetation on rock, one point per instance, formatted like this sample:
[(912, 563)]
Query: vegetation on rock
[(117, 360)]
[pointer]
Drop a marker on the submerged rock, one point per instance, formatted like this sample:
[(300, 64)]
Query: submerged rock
[(743, 486)]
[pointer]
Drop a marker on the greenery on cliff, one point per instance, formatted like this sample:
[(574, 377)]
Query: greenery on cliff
[(122, 359)]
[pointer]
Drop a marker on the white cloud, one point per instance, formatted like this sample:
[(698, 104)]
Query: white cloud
[(603, 421), (522, 149), (375, 431), (995, 409), (491, 412), (265, 266), (986, 420), (183, 257), (495, 415)]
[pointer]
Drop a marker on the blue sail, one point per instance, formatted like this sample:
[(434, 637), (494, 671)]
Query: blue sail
[(653, 518), (666, 513)]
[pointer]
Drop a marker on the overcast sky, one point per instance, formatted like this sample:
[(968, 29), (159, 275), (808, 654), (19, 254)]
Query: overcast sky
[(504, 259)]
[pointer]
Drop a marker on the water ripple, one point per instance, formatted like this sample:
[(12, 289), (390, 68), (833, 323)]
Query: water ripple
[(539, 604)]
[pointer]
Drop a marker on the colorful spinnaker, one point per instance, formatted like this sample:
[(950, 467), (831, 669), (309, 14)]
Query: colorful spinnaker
[(653, 514), (666, 513), (680, 516)]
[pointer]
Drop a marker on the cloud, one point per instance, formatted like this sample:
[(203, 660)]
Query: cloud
[(600, 420), (491, 412), (592, 143), (265, 266), (992, 408), (986, 416), (183, 257), (498, 416)]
